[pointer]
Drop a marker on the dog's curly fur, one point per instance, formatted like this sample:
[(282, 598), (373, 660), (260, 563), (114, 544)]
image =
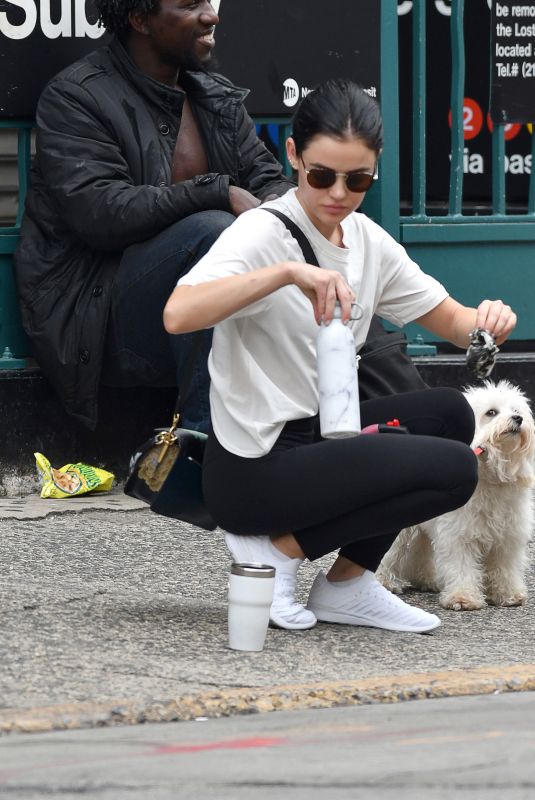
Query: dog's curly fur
[(478, 553)]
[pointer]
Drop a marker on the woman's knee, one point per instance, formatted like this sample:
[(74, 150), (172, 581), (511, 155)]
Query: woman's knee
[(462, 473), (457, 414)]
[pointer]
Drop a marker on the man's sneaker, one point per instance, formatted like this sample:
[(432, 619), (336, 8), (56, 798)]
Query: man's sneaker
[(285, 611), (365, 601)]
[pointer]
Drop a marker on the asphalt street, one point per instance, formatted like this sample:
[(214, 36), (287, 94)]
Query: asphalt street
[(469, 748)]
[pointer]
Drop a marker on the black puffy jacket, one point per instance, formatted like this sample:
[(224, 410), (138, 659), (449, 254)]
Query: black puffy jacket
[(101, 181)]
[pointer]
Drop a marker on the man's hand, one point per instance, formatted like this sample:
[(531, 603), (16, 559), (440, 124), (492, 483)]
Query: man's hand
[(241, 200)]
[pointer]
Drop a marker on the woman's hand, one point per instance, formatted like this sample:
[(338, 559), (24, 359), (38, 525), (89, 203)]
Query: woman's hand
[(203, 305), (323, 287), (453, 321), (496, 318)]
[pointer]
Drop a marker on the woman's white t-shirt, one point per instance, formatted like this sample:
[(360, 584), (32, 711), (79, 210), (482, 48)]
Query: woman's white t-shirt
[(263, 359)]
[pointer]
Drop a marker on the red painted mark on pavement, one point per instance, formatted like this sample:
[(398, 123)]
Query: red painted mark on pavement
[(229, 744), (164, 749)]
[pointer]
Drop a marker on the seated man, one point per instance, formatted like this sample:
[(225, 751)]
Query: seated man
[(143, 158)]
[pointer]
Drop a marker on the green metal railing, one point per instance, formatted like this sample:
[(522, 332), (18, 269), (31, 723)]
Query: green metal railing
[(474, 255), (455, 214), (24, 141), (382, 201), (13, 343)]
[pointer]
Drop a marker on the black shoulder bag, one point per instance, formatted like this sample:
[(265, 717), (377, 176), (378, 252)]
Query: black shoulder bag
[(384, 366), (166, 471)]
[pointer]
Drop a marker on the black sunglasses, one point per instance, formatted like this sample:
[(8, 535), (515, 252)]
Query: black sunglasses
[(324, 178)]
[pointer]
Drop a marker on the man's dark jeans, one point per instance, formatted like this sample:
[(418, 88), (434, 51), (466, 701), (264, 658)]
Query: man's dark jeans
[(138, 351)]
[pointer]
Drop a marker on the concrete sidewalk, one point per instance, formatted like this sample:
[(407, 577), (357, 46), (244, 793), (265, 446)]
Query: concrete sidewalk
[(113, 615)]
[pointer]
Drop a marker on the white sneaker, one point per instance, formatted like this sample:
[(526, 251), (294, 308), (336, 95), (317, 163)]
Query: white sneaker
[(365, 601), (285, 611)]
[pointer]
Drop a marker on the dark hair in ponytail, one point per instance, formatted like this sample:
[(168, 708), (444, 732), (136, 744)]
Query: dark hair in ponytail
[(339, 108)]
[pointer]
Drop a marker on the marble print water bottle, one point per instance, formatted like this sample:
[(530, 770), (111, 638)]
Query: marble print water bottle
[(337, 380)]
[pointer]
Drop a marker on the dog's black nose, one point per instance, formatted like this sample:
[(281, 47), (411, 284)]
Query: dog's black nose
[(517, 419)]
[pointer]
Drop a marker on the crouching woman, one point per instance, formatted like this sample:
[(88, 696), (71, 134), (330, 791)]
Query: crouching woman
[(282, 494)]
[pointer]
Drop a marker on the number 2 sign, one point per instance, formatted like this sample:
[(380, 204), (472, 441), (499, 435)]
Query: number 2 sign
[(472, 118)]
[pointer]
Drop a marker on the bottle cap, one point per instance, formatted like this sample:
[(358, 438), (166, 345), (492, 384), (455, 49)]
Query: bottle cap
[(356, 311), (253, 570)]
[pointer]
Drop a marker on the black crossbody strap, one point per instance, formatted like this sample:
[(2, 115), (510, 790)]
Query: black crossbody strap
[(299, 236)]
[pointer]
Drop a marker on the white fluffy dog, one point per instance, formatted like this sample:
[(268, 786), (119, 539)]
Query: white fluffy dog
[(478, 553)]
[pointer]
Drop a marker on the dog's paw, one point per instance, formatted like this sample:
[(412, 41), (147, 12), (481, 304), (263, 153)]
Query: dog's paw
[(462, 601), (508, 600)]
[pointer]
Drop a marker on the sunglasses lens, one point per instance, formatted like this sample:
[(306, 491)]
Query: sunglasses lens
[(321, 178), (325, 178), (359, 182)]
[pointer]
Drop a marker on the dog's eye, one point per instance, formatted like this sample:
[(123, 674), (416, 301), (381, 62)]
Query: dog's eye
[(491, 412)]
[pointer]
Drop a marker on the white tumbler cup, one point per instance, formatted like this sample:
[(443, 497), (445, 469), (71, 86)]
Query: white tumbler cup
[(250, 594)]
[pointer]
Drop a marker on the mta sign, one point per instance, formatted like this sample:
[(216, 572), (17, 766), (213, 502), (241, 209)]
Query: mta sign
[(281, 49)]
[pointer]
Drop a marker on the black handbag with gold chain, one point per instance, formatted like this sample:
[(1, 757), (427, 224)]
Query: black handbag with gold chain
[(166, 471)]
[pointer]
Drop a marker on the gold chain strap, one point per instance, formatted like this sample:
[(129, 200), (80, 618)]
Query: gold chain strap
[(167, 438)]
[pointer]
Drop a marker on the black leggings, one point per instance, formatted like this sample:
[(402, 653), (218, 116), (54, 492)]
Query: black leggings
[(353, 494)]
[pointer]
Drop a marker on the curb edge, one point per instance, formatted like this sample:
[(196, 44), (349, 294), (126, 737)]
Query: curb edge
[(494, 679)]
